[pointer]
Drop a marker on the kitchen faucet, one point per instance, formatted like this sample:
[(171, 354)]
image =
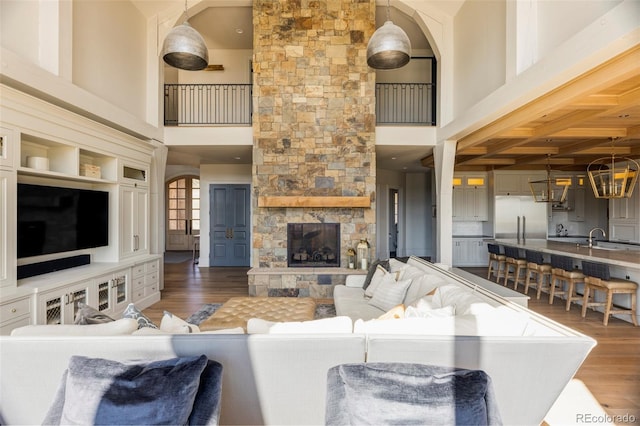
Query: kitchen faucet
[(604, 235)]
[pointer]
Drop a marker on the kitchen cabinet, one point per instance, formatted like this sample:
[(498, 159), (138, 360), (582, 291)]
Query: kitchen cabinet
[(470, 198), (576, 199), (15, 313), (515, 183), (470, 252), (624, 218)]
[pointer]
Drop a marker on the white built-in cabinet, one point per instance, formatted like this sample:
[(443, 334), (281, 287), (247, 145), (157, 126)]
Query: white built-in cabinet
[(470, 197), (134, 229), (61, 305), (43, 144), (469, 252)]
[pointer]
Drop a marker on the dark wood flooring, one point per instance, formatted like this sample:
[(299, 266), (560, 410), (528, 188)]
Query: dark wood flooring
[(611, 372)]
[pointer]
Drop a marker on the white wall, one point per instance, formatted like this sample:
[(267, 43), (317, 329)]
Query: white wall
[(237, 68), (480, 51), (110, 52), (216, 174), (19, 29)]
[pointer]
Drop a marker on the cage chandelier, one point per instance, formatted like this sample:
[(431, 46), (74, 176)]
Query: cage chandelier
[(613, 177)]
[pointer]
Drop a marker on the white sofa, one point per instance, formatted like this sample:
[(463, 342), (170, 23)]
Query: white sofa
[(281, 378)]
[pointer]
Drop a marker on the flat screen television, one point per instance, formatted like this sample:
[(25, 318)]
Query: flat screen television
[(54, 219)]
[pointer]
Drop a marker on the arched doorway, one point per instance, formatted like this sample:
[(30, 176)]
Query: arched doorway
[(183, 212)]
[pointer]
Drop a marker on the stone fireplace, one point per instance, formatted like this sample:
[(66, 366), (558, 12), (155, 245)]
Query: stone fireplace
[(313, 244), (314, 139)]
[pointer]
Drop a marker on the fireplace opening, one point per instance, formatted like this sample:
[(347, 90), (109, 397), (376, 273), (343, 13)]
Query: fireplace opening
[(313, 244)]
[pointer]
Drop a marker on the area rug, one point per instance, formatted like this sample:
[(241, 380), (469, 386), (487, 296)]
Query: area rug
[(177, 256), (322, 311)]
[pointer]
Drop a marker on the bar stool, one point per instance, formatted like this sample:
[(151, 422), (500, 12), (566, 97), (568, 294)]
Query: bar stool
[(597, 278), (562, 271), (496, 262), (514, 261), (537, 267)]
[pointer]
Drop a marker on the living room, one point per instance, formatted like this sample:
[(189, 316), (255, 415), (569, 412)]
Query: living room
[(83, 100)]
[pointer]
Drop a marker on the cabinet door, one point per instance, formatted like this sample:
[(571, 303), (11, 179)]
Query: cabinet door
[(134, 228), (61, 307), (476, 204), (576, 202), (120, 291), (7, 228), (459, 204)]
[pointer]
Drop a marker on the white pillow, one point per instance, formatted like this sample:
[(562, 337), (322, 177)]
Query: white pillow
[(422, 285), (172, 324), (462, 298), (119, 327), (339, 324), (395, 265), (376, 279), (389, 293)]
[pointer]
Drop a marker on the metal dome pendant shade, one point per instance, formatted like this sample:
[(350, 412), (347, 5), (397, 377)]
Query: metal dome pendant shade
[(389, 47), (185, 48)]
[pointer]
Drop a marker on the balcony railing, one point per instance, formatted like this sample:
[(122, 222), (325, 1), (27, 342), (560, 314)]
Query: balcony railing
[(207, 104), (231, 104)]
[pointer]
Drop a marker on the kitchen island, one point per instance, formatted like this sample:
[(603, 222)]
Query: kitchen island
[(623, 263)]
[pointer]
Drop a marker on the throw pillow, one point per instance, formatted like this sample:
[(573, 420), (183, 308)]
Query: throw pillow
[(404, 393), (101, 391), (90, 315), (396, 312), (132, 311), (375, 281), (421, 285), (396, 265), (173, 324), (389, 293), (372, 270), (462, 298)]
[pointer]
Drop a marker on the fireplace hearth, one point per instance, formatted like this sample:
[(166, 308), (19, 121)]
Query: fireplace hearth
[(313, 244)]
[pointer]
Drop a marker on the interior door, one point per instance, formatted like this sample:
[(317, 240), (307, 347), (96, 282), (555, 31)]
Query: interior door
[(230, 225), (183, 212)]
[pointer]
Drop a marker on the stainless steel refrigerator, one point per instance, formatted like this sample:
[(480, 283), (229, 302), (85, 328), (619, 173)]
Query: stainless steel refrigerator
[(519, 217)]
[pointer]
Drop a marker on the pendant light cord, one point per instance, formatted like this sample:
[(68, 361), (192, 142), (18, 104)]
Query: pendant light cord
[(186, 13), (388, 10)]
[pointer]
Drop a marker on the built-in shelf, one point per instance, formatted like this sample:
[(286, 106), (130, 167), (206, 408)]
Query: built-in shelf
[(313, 201)]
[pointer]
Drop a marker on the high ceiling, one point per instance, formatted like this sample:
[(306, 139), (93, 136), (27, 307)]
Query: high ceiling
[(587, 118), (569, 127)]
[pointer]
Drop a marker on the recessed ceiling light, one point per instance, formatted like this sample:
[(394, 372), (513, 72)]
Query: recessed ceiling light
[(624, 116), (236, 158), (239, 30), (393, 158)]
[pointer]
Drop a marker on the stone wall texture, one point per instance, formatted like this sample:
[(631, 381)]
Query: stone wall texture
[(314, 119)]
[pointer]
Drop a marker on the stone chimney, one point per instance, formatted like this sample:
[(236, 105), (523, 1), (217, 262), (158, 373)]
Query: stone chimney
[(313, 123)]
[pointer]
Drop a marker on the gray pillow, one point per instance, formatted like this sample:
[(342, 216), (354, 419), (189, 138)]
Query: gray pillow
[(89, 315), (409, 394), (132, 311), (206, 407), (372, 270), (101, 391)]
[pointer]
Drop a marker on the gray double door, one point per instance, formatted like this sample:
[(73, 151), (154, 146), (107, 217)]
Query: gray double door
[(230, 225)]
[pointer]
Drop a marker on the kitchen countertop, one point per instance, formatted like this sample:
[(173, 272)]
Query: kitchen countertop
[(624, 258)]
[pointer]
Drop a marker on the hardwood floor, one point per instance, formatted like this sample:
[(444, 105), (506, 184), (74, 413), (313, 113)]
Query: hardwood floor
[(611, 371)]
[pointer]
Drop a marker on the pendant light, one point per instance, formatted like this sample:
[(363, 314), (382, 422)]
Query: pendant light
[(547, 190), (611, 177), (184, 47), (389, 46)]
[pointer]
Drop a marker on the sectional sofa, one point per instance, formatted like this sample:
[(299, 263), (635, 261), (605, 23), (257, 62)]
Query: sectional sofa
[(279, 376)]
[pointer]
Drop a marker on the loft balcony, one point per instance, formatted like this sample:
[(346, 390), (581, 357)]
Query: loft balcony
[(406, 104)]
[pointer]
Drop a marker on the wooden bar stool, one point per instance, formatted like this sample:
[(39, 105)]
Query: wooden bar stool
[(562, 271), (536, 267), (597, 278), (515, 262), (496, 262)]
